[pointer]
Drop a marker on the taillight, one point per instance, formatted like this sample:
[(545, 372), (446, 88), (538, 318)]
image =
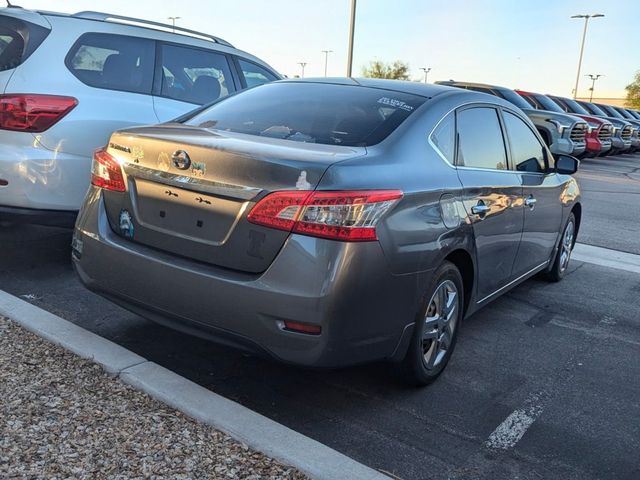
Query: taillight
[(344, 215), (106, 172), (33, 113)]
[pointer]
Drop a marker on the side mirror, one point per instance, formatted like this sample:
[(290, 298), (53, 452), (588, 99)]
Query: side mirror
[(567, 165)]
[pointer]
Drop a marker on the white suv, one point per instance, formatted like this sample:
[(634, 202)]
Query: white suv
[(68, 81)]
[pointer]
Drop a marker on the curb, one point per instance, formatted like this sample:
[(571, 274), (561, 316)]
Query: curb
[(257, 431), (606, 257)]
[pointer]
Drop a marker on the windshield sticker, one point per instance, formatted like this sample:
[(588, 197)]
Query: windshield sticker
[(395, 103)]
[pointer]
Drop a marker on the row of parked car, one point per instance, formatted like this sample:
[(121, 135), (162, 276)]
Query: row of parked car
[(322, 222), (572, 127)]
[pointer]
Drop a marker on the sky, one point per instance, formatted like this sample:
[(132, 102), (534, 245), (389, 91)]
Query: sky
[(527, 44)]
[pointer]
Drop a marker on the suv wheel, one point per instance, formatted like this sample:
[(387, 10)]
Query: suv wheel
[(437, 327)]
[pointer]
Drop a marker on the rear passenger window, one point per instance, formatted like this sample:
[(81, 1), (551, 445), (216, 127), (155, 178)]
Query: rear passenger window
[(443, 137), (18, 40), (114, 62), (480, 140), (527, 153), (254, 74), (11, 46), (194, 76)]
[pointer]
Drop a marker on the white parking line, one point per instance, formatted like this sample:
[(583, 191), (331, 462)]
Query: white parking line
[(606, 257), (513, 428)]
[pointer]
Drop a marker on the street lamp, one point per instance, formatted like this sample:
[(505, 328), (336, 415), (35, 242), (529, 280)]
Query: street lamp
[(302, 64), (326, 59), (173, 22), (426, 72), (584, 35), (352, 28), (593, 83)]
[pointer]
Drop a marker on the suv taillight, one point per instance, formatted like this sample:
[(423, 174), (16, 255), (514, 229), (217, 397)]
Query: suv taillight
[(342, 215), (33, 113), (106, 172)]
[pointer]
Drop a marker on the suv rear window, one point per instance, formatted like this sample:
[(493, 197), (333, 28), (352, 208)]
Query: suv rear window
[(18, 40), (114, 62), (312, 112)]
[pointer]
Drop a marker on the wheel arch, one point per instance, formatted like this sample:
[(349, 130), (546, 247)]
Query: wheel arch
[(577, 213), (464, 263)]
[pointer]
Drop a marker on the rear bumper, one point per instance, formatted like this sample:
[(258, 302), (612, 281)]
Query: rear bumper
[(35, 178), (53, 218), (346, 288)]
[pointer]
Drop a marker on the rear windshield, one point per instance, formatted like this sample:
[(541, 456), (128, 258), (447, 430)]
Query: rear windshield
[(329, 114), (18, 40)]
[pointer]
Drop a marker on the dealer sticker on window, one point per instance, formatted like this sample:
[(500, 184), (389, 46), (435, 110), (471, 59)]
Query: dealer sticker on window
[(395, 103)]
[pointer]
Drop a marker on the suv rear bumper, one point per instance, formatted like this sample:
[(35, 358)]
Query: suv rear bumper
[(345, 288), (36, 178), (52, 218)]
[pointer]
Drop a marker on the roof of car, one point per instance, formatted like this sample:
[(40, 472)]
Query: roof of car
[(427, 90), (473, 84)]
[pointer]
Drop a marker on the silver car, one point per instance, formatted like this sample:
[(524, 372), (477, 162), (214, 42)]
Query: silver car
[(328, 222)]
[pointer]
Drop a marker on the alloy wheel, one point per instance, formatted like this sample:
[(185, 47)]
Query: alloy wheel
[(566, 247), (440, 322)]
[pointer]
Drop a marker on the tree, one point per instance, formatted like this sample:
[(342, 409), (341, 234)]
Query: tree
[(633, 92), (378, 69)]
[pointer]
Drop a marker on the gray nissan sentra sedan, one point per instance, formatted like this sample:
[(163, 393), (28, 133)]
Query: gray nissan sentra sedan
[(328, 222)]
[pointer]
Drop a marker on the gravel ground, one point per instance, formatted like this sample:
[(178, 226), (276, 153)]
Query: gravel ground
[(64, 417)]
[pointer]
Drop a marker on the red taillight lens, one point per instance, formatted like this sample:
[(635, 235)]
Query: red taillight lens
[(33, 113), (106, 172), (346, 215)]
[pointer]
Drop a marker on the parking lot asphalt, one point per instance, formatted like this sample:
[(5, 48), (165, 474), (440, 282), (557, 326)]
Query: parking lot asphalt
[(543, 384)]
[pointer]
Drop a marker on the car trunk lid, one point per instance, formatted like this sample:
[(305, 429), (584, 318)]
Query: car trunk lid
[(189, 190)]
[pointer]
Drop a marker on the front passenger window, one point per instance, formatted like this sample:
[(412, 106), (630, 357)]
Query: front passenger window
[(526, 151), (480, 140)]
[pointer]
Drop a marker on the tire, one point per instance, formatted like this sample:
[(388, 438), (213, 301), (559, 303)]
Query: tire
[(563, 255), (434, 337)]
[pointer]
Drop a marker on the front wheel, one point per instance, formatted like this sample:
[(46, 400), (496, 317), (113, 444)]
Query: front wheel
[(437, 326), (563, 255)]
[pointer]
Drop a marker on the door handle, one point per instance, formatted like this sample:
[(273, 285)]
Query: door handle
[(530, 202), (480, 209)]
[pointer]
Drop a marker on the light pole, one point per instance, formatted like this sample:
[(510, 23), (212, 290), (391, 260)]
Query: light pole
[(302, 64), (326, 59), (352, 28), (173, 23), (584, 36), (426, 72), (593, 83)]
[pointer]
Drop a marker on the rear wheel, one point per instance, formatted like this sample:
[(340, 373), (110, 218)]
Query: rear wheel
[(563, 255), (437, 326)]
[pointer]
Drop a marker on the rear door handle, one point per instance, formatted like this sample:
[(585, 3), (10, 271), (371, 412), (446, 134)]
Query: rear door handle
[(530, 201)]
